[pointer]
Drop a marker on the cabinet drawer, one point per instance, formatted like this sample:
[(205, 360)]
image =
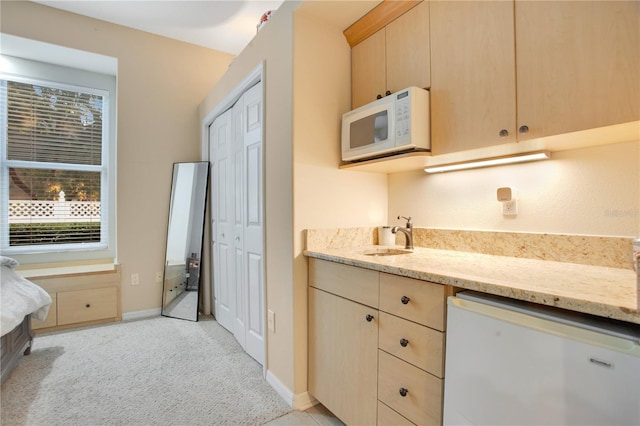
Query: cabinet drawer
[(388, 417), (350, 282), (424, 347), (423, 401), (415, 300), (87, 305)]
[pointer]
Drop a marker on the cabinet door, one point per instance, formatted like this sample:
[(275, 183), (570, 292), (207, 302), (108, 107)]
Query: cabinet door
[(343, 357), (472, 74), (407, 50), (578, 65), (368, 75)]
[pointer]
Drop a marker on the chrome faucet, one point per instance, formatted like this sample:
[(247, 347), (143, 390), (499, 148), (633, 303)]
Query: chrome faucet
[(408, 232)]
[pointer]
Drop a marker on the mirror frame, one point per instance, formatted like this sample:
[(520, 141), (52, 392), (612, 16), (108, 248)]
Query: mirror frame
[(176, 271)]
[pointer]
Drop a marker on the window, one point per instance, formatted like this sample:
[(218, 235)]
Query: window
[(56, 152)]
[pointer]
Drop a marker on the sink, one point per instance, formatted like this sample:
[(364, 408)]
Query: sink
[(386, 252)]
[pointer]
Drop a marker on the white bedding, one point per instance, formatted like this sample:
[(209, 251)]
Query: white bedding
[(19, 297)]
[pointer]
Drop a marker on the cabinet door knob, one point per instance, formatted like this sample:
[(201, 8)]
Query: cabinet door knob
[(369, 317), (504, 133), (379, 96), (404, 391), (523, 129), (88, 305), (387, 93), (404, 343), (404, 300)]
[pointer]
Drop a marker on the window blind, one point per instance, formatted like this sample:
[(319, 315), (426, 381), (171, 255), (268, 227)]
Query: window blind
[(54, 152)]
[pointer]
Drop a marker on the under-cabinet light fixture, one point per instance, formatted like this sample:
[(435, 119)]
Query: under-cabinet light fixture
[(518, 158)]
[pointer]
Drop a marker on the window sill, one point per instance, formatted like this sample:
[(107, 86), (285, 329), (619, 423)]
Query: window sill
[(52, 270)]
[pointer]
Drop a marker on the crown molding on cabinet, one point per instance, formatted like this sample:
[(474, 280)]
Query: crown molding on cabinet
[(376, 19)]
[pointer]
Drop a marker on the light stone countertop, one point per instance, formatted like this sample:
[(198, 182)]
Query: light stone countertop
[(602, 291)]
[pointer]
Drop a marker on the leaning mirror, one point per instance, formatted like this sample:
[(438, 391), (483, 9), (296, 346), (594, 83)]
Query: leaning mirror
[(185, 232)]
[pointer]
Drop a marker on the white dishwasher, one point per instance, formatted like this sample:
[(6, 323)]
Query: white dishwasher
[(516, 363)]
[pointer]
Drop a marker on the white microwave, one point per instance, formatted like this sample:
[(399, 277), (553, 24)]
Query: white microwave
[(394, 124)]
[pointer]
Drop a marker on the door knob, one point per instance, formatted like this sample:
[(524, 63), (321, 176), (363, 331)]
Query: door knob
[(369, 317), (504, 133), (404, 343), (404, 391), (523, 129), (404, 300)]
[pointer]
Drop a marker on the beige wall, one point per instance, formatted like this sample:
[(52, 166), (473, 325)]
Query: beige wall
[(273, 47), (307, 62), (160, 84), (589, 191), (324, 196)]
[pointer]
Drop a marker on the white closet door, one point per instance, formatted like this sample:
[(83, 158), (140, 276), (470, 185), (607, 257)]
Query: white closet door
[(237, 221), (236, 182), (220, 139), (253, 223)]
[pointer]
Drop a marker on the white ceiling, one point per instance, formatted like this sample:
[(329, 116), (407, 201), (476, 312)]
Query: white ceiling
[(224, 25)]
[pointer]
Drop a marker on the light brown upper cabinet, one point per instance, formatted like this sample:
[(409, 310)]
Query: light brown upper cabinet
[(473, 81), (393, 58), (576, 65)]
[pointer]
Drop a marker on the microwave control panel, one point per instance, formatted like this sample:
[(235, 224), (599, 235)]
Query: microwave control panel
[(403, 117)]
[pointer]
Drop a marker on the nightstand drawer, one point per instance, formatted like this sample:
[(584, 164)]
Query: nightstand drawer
[(87, 305), (414, 343), (422, 401), (415, 300)]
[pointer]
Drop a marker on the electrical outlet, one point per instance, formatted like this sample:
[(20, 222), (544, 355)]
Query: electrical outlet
[(271, 320), (510, 208), (135, 279), (158, 277)]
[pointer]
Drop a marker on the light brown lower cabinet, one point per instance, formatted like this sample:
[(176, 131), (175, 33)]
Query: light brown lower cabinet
[(381, 362), (80, 299), (343, 353)]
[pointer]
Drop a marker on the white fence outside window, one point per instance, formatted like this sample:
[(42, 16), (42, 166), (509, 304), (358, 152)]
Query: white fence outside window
[(36, 211)]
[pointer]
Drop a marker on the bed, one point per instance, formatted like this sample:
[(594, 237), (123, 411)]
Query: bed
[(20, 300)]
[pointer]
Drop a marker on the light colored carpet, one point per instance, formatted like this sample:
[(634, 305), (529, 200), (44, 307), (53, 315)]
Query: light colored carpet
[(157, 371), (184, 306)]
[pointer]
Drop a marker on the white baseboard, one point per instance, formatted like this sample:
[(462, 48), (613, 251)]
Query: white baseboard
[(128, 316), (298, 402)]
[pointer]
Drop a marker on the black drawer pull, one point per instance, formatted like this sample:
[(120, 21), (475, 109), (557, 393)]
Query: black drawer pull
[(404, 300), (404, 343), (88, 305), (404, 392), (369, 317)]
